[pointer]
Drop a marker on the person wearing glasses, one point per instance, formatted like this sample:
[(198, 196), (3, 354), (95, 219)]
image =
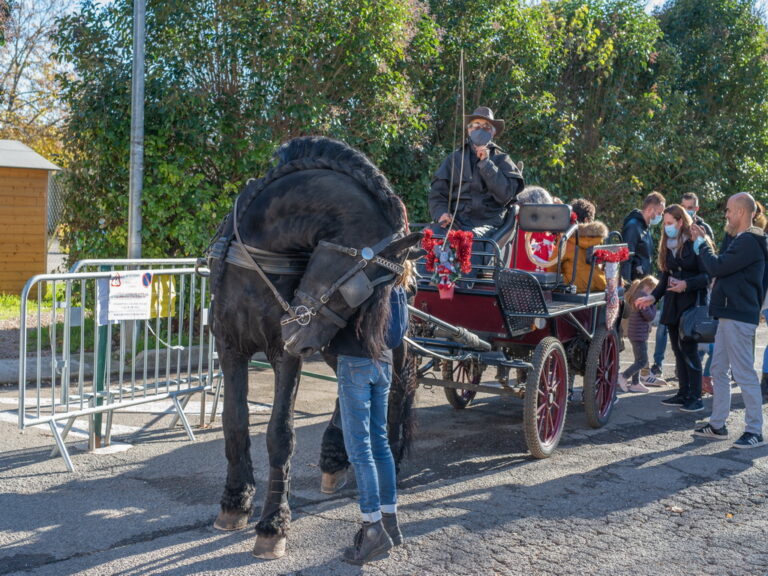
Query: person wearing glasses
[(477, 182)]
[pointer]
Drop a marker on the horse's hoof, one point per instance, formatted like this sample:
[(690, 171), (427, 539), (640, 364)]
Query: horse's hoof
[(269, 547), (332, 483), (230, 521)]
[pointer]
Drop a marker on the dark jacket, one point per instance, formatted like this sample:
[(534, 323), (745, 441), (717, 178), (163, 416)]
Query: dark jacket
[(637, 235), (639, 323), (487, 187), (699, 221), (741, 276), (684, 266)]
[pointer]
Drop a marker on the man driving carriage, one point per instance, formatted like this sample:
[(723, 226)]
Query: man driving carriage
[(479, 178)]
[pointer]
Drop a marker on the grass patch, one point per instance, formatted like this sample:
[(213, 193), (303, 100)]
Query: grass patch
[(84, 337), (10, 306)]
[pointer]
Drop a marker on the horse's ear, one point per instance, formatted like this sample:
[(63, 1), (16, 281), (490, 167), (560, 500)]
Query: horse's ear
[(403, 244)]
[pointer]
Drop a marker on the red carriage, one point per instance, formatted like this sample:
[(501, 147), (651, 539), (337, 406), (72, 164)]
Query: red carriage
[(530, 325)]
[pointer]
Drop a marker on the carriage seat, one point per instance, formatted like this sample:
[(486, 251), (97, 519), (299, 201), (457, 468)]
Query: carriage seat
[(504, 233), (553, 218)]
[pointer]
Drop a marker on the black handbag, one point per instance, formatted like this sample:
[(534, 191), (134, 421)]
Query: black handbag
[(696, 325)]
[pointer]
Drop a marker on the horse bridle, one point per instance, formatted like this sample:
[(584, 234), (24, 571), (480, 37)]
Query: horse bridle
[(353, 293), (354, 284)]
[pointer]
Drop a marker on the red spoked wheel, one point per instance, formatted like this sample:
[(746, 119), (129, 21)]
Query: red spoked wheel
[(467, 371), (546, 398), (601, 377)]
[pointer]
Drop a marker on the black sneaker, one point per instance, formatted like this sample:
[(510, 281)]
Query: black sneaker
[(749, 440), (656, 370), (692, 406), (674, 401), (710, 432)]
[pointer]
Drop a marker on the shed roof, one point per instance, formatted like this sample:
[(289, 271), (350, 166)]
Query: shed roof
[(14, 154)]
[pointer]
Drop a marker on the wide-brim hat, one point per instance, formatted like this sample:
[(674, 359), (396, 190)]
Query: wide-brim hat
[(485, 113)]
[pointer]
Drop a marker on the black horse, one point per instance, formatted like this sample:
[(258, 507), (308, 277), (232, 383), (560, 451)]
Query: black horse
[(285, 276)]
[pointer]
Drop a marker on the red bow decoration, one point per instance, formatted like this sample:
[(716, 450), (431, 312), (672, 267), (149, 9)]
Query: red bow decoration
[(448, 258), (605, 255)]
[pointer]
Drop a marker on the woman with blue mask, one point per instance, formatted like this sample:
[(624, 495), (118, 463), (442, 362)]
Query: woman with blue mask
[(683, 284)]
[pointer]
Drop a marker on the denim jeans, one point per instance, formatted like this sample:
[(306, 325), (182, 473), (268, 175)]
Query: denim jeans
[(765, 352), (661, 345), (363, 398)]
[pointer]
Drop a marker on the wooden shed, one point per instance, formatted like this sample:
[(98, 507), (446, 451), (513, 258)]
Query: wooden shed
[(23, 214)]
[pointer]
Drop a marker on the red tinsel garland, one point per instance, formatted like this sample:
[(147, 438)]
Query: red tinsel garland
[(619, 255), (460, 242)]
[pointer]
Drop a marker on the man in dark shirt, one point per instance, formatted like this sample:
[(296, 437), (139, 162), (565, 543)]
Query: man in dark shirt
[(741, 282), (475, 184), (636, 232), (690, 203)]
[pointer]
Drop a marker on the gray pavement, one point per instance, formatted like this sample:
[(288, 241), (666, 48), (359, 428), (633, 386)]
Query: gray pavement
[(639, 496)]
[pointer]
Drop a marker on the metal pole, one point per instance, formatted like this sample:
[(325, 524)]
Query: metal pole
[(137, 132)]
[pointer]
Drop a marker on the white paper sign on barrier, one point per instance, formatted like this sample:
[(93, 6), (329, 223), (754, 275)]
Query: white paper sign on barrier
[(130, 295)]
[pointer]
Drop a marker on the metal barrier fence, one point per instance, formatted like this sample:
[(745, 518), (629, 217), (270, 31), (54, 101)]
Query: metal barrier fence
[(118, 333)]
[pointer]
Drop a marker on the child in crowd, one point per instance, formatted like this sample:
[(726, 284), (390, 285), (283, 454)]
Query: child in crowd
[(638, 329)]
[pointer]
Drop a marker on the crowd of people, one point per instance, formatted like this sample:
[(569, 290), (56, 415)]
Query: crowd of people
[(472, 190)]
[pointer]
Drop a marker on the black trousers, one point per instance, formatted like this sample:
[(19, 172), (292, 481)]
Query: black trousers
[(688, 364)]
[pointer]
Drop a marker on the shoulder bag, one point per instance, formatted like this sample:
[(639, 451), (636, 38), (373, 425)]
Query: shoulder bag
[(696, 325)]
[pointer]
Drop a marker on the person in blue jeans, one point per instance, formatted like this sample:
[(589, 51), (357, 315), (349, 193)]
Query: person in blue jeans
[(364, 377), (764, 379)]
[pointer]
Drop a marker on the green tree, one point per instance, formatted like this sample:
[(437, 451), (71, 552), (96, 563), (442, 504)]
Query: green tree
[(226, 82), (711, 137)]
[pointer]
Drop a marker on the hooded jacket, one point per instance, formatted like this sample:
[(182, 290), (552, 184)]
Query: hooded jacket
[(487, 187), (637, 235), (741, 276), (590, 234)]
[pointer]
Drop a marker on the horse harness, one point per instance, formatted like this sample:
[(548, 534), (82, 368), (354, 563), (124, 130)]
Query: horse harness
[(354, 285)]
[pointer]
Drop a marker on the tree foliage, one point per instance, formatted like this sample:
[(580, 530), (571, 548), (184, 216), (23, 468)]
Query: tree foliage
[(30, 107), (601, 100)]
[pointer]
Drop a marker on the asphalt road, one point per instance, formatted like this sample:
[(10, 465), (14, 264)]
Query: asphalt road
[(639, 496)]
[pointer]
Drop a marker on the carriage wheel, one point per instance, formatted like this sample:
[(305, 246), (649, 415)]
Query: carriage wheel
[(546, 398), (468, 371), (601, 377)]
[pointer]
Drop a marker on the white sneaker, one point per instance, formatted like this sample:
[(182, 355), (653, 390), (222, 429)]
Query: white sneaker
[(639, 387), (652, 380), (623, 384)]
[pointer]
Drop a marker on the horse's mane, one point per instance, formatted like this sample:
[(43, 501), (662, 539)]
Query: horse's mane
[(319, 152)]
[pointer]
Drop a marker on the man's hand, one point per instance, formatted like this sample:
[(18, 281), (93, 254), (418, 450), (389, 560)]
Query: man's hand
[(697, 231), (482, 152), (445, 220)]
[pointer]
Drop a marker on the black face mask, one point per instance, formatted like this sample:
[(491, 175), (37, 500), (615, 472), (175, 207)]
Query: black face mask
[(480, 137)]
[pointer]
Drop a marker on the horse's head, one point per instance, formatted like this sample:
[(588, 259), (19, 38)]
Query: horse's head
[(338, 282)]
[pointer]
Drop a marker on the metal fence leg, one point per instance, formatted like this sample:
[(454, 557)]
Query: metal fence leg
[(183, 417), (62, 447), (64, 433), (108, 431), (175, 419), (203, 394), (216, 396)]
